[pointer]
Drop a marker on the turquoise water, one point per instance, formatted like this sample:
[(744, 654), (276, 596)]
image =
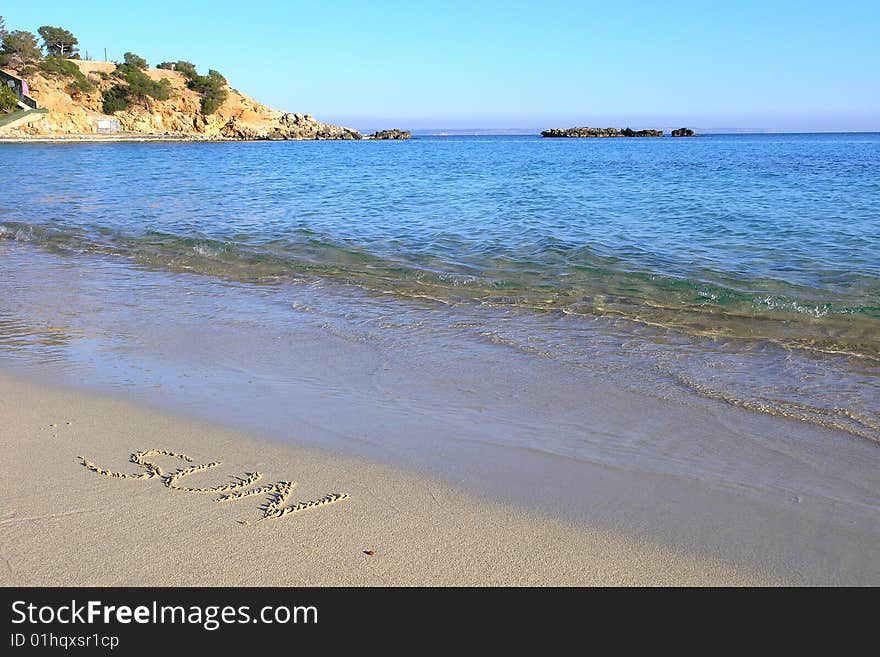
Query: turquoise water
[(730, 245), (765, 236)]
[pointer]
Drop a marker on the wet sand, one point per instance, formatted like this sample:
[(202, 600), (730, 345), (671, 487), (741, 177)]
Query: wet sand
[(466, 460), (64, 524)]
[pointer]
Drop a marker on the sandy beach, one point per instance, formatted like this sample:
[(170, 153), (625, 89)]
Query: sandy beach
[(64, 524), (465, 460)]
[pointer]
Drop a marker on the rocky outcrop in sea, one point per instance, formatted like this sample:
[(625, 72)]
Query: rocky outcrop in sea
[(684, 132), (390, 134), (599, 132), (287, 126)]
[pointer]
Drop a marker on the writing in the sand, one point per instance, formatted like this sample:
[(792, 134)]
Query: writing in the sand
[(278, 494)]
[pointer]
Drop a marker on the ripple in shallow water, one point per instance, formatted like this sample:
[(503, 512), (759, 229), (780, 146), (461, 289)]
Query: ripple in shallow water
[(116, 322), (767, 237)]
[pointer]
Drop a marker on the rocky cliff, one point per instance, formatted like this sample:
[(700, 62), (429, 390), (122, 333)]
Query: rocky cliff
[(73, 112)]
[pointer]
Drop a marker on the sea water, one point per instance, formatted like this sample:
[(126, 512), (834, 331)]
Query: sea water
[(743, 269)]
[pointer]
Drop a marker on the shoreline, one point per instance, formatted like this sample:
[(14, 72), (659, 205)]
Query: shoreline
[(134, 138), (88, 139), (561, 463), (65, 525), (129, 139)]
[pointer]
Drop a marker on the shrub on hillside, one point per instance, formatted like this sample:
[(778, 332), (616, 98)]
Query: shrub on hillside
[(217, 77), (212, 88), (141, 85), (84, 85), (187, 68), (115, 99), (8, 99), (212, 100), (58, 66)]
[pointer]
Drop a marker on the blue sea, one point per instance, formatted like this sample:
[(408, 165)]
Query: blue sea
[(740, 268)]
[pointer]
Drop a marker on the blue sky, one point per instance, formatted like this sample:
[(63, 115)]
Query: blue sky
[(711, 65)]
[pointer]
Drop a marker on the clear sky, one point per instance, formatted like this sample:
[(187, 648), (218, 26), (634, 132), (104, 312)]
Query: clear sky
[(774, 65)]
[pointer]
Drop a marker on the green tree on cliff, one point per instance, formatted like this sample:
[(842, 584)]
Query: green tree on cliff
[(134, 60), (59, 42), (20, 47), (61, 67), (212, 87), (115, 99), (8, 100), (136, 84)]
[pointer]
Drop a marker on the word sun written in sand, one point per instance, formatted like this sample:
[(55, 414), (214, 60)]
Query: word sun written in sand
[(278, 493)]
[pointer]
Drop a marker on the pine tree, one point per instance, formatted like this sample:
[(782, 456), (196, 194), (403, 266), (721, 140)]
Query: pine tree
[(59, 42)]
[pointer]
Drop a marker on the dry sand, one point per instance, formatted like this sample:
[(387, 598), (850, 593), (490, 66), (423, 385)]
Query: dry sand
[(63, 524)]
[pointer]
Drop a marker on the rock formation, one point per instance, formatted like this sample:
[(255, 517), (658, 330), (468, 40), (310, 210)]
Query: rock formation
[(600, 132), (286, 126), (390, 134), (683, 132), (75, 113)]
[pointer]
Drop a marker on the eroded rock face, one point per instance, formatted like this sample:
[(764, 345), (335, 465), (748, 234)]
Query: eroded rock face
[(390, 134), (628, 132), (584, 132), (286, 126), (683, 132), (75, 113), (235, 129)]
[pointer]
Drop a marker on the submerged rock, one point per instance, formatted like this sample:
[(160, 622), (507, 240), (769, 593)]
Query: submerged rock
[(599, 132), (390, 134), (683, 132)]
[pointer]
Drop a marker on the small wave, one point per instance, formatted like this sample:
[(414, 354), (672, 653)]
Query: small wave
[(837, 418), (208, 251), (589, 288), (817, 310), (17, 233)]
